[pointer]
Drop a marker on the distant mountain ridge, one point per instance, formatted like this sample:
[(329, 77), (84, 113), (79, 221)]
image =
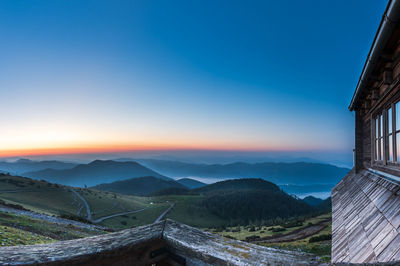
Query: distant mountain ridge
[(191, 183), (25, 165), (140, 186), (279, 173), (239, 184), (95, 173)]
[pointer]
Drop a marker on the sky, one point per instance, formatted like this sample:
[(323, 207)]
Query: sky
[(245, 76)]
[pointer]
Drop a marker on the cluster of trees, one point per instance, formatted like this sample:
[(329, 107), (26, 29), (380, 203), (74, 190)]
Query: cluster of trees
[(248, 206)]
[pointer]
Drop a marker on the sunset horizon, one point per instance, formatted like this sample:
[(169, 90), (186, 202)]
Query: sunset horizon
[(143, 80), (188, 133)]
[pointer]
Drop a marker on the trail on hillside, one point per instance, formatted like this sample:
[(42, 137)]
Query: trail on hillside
[(52, 219), (159, 218), (88, 212), (18, 191), (116, 215), (295, 235)]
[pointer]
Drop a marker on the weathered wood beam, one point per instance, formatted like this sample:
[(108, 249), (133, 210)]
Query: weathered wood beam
[(388, 76), (374, 94)]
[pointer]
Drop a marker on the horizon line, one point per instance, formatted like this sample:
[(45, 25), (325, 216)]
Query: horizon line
[(137, 149)]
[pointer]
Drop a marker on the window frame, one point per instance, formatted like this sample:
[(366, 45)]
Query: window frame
[(379, 137), (391, 109), (377, 127)]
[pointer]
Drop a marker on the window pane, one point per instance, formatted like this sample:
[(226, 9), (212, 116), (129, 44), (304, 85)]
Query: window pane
[(381, 126), (381, 149), (391, 148), (397, 116), (389, 116), (376, 150), (398, 147), (376, 128)]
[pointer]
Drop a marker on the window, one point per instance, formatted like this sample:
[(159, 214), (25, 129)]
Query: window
[(387, 135), (379, 145), (390, 134), (396, 125)]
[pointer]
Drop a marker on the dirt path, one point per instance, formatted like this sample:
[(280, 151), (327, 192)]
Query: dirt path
[(18, 190), (159, 218), (48, 218), (88, 212), (295, 235), (116, 215)]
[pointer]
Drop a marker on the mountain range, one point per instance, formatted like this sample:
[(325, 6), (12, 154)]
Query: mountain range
[(94, 173), (190, 183), (280, 173), (292, 177), (140, 186), (25, 165)]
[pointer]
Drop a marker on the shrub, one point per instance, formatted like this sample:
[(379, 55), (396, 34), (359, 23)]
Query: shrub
[(320, 238), (252, 238), (277, 229), (74, 217)]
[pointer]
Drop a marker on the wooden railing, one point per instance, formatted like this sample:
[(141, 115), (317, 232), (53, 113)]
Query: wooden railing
[(165, 242)]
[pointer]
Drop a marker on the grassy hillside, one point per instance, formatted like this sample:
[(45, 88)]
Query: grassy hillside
[(22, 230), (36, 195), (53, 199), (223, 204), (94, 173), (317, 243), (141, 186)]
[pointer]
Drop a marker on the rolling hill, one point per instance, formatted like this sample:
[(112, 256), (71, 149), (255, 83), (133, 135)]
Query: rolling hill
[(280, 173), (190, 183), (25, 165), (313, 201), (242, 201), (94, 173), (141, 186), (239, 184), (243, 207)]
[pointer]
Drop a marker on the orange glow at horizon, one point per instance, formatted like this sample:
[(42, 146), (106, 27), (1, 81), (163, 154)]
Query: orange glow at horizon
[(92, 149)]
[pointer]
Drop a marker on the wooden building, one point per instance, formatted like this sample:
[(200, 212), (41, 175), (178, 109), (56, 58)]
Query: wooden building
[(366, 203)]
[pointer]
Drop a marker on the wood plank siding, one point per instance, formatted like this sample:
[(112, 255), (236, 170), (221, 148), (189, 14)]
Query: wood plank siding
[(365, 219), (366, 203)]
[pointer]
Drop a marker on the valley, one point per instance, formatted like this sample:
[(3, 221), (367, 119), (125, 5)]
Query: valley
[(250, 209)]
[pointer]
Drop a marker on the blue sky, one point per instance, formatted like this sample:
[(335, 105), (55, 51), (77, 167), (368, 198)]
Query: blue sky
[(235, 75)]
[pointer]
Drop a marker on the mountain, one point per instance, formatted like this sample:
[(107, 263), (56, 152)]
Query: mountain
[(239, 184), (25, 165), (301, 189), (280, 173), (313, 201), (94, 173), (326, 205), (173, 191), (243, 201), (190, 183), (141, 186)]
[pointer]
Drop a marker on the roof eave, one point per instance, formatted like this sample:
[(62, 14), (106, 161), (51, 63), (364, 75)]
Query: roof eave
[(389, 20)]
